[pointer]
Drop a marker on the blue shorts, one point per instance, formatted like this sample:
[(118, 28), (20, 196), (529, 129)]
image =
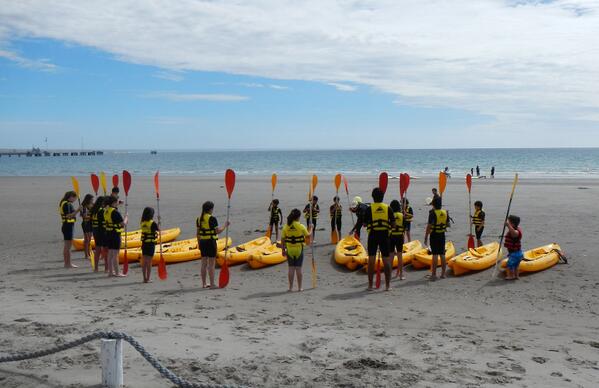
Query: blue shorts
[(514, 259)]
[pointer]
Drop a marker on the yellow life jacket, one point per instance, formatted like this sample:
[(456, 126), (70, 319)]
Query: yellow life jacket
[(440, 225), (336, 213), (109, 226), (100, 218), (294, 239), (63, 216), (409, 214), (399, 228), (477, 219), (204, 232), (147, 235), (380, 217), (315, 212)]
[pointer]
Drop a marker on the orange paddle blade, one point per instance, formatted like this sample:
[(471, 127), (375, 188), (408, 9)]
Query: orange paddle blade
[(469, 182), (314, 182), (334, 237), (75, 185), (126, 264), (230, 181), (157, 183), (337, 181), (162, 274), (442, 182), (223, 276), (273, 181), (103, 181)]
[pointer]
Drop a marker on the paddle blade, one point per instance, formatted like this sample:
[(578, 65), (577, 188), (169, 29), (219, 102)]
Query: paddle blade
[(115, 180), (378, 275), (469, 182), (442, 182), (470, 241), (273, 181), (268, 232), (230, 182), (125, 264), (345, 184), (407, 178), (95, 183), (126, 181), (337, 181), (223, 276), (334, 237), (103, 181), (383, 181), (75, 185), (314, 182), (157, 184), (313, 273), (162, 268), (514, 184)]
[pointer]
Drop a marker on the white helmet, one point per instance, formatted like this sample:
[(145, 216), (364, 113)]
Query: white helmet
[(357, 200)]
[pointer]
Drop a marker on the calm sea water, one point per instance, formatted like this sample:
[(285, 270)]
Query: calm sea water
[(532, 163)]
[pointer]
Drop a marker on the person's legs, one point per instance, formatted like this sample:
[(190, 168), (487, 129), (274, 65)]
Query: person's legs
[(211, 265), (203, 270), (298, 272), (434, 267), (443, 266), (290, 274), (371, 263), (387, 268), (408, 238)]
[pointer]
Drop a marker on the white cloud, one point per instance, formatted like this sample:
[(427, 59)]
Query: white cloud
[(498, 58), (169, 76), (174, 96), (342, 87), (34, 64)]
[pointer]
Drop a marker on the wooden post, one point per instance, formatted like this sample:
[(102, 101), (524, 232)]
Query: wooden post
[(112, 363)]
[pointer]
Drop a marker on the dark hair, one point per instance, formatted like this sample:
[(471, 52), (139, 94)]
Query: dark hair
[(314, 198), (478, 203), (147, 214), (336, 198), (407, 202), (206, 207), (293, 216), (437, 203), (110, 201), (67, 195), (87, 200), (378, 195), (434, 189), (514, 220), (98, 204), (115, 190), (275, 201), (394, 205)]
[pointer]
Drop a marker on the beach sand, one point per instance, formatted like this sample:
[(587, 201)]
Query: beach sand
[(466, 331)]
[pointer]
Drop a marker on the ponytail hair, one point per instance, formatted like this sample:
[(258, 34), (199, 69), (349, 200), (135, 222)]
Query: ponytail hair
[(207, 207), (87, 200), (293, 216), (394, 205), (147, 214), (67, 195)]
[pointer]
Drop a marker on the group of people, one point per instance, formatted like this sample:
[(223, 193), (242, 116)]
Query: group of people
[(388, 228)]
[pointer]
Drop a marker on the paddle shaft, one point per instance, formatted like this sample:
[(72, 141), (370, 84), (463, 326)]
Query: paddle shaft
[(507, 214), (227, 229), (159, 226)]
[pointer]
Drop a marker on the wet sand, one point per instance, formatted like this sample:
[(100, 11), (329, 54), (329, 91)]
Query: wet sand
[(466, 331)]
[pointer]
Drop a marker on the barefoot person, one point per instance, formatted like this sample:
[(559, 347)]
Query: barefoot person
[(276, 218), (86, 223), (478, 219), (114, 224), (379, 220), (311, 219), (408, 218), (293, 238), (335, 212), (149, 237), (396, 238), (68, 217), (437, 226), (207, 234), (97, 216), (513, 244)]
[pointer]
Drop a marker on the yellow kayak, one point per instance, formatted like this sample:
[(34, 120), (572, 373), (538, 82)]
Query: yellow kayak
[(474, 259), (241, 253), (538, 259), (133, 239), (347, 249), (409, 250), (423, 259), (173, 252), (269, 255)]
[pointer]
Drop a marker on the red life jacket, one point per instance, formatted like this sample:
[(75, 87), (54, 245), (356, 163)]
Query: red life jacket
[(513, 244)]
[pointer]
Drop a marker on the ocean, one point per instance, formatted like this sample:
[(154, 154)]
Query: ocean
[(529, 163)]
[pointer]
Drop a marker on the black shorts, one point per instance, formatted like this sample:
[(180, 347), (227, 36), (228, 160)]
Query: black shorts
[(479, 232), (378, 240), (408, 226), (273, 221), (67, 230), (437, 241), (112, 240), (396, 243), (296, 261), (148, 249), (98, 237), (87, 227), (208, 247), (335, 223)]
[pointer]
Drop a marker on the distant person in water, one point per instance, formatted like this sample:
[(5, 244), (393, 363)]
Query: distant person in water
[(477, 170), (446, 172), (472, 172), (492, 172)]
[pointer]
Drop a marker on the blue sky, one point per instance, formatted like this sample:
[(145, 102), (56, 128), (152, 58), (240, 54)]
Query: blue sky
[(197, 75)]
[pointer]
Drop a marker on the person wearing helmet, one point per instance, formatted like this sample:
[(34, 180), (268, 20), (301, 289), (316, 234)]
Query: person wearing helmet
[(359, 208)]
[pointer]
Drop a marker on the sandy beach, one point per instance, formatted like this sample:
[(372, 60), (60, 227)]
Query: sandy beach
[(459, 332)]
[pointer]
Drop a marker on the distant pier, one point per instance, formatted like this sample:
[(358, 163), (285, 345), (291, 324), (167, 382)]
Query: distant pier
[(37, 152)]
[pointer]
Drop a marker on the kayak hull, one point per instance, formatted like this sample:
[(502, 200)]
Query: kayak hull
[(348, 248), (241, 253), (474, 259), (422, 259), (173, 252), (538, 259), (133, 239), (409, 250), (267, 256)]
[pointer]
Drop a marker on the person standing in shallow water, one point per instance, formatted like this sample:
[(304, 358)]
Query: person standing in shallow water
[(477, 170), (492, 172), (68, 217)]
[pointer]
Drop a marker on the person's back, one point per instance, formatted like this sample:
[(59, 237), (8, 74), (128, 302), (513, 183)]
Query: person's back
[(379, 221)]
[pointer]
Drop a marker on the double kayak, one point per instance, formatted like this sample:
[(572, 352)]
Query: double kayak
[(266, 256), (423, 258), (538, 259), (474, 259), (173, 252), (133, 239), (409, 250), (350, 248), (241, 253)]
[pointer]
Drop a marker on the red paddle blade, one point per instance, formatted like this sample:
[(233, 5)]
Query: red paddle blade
[(115, 180), (162, 269), (469, 182), (383, 181), (230, 182), (407, 178), (157, 183), (345, 184), (125, 264), (273, 181), (442, 182), (223, 276), (337, 181), (378, 275), (470, 242), (95, 183), (126, 181), (402, 183)]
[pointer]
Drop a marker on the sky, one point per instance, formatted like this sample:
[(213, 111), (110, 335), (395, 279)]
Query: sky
[(283, 74)]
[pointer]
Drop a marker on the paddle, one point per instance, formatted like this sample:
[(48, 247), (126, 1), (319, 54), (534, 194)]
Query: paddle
[(103, 181), (95, 183), (469, 187), (273, 182), (404, 183), (311, 195), (334, 235), (76, 189), (383, 182), (223, 277), (507, 214), (348, 201), (161, 265), (115, 180), (442, 182), (126, 186)]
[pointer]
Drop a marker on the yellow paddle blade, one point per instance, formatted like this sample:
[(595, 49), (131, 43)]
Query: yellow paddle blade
[(515, 183), (75, 185), (103, 181)]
